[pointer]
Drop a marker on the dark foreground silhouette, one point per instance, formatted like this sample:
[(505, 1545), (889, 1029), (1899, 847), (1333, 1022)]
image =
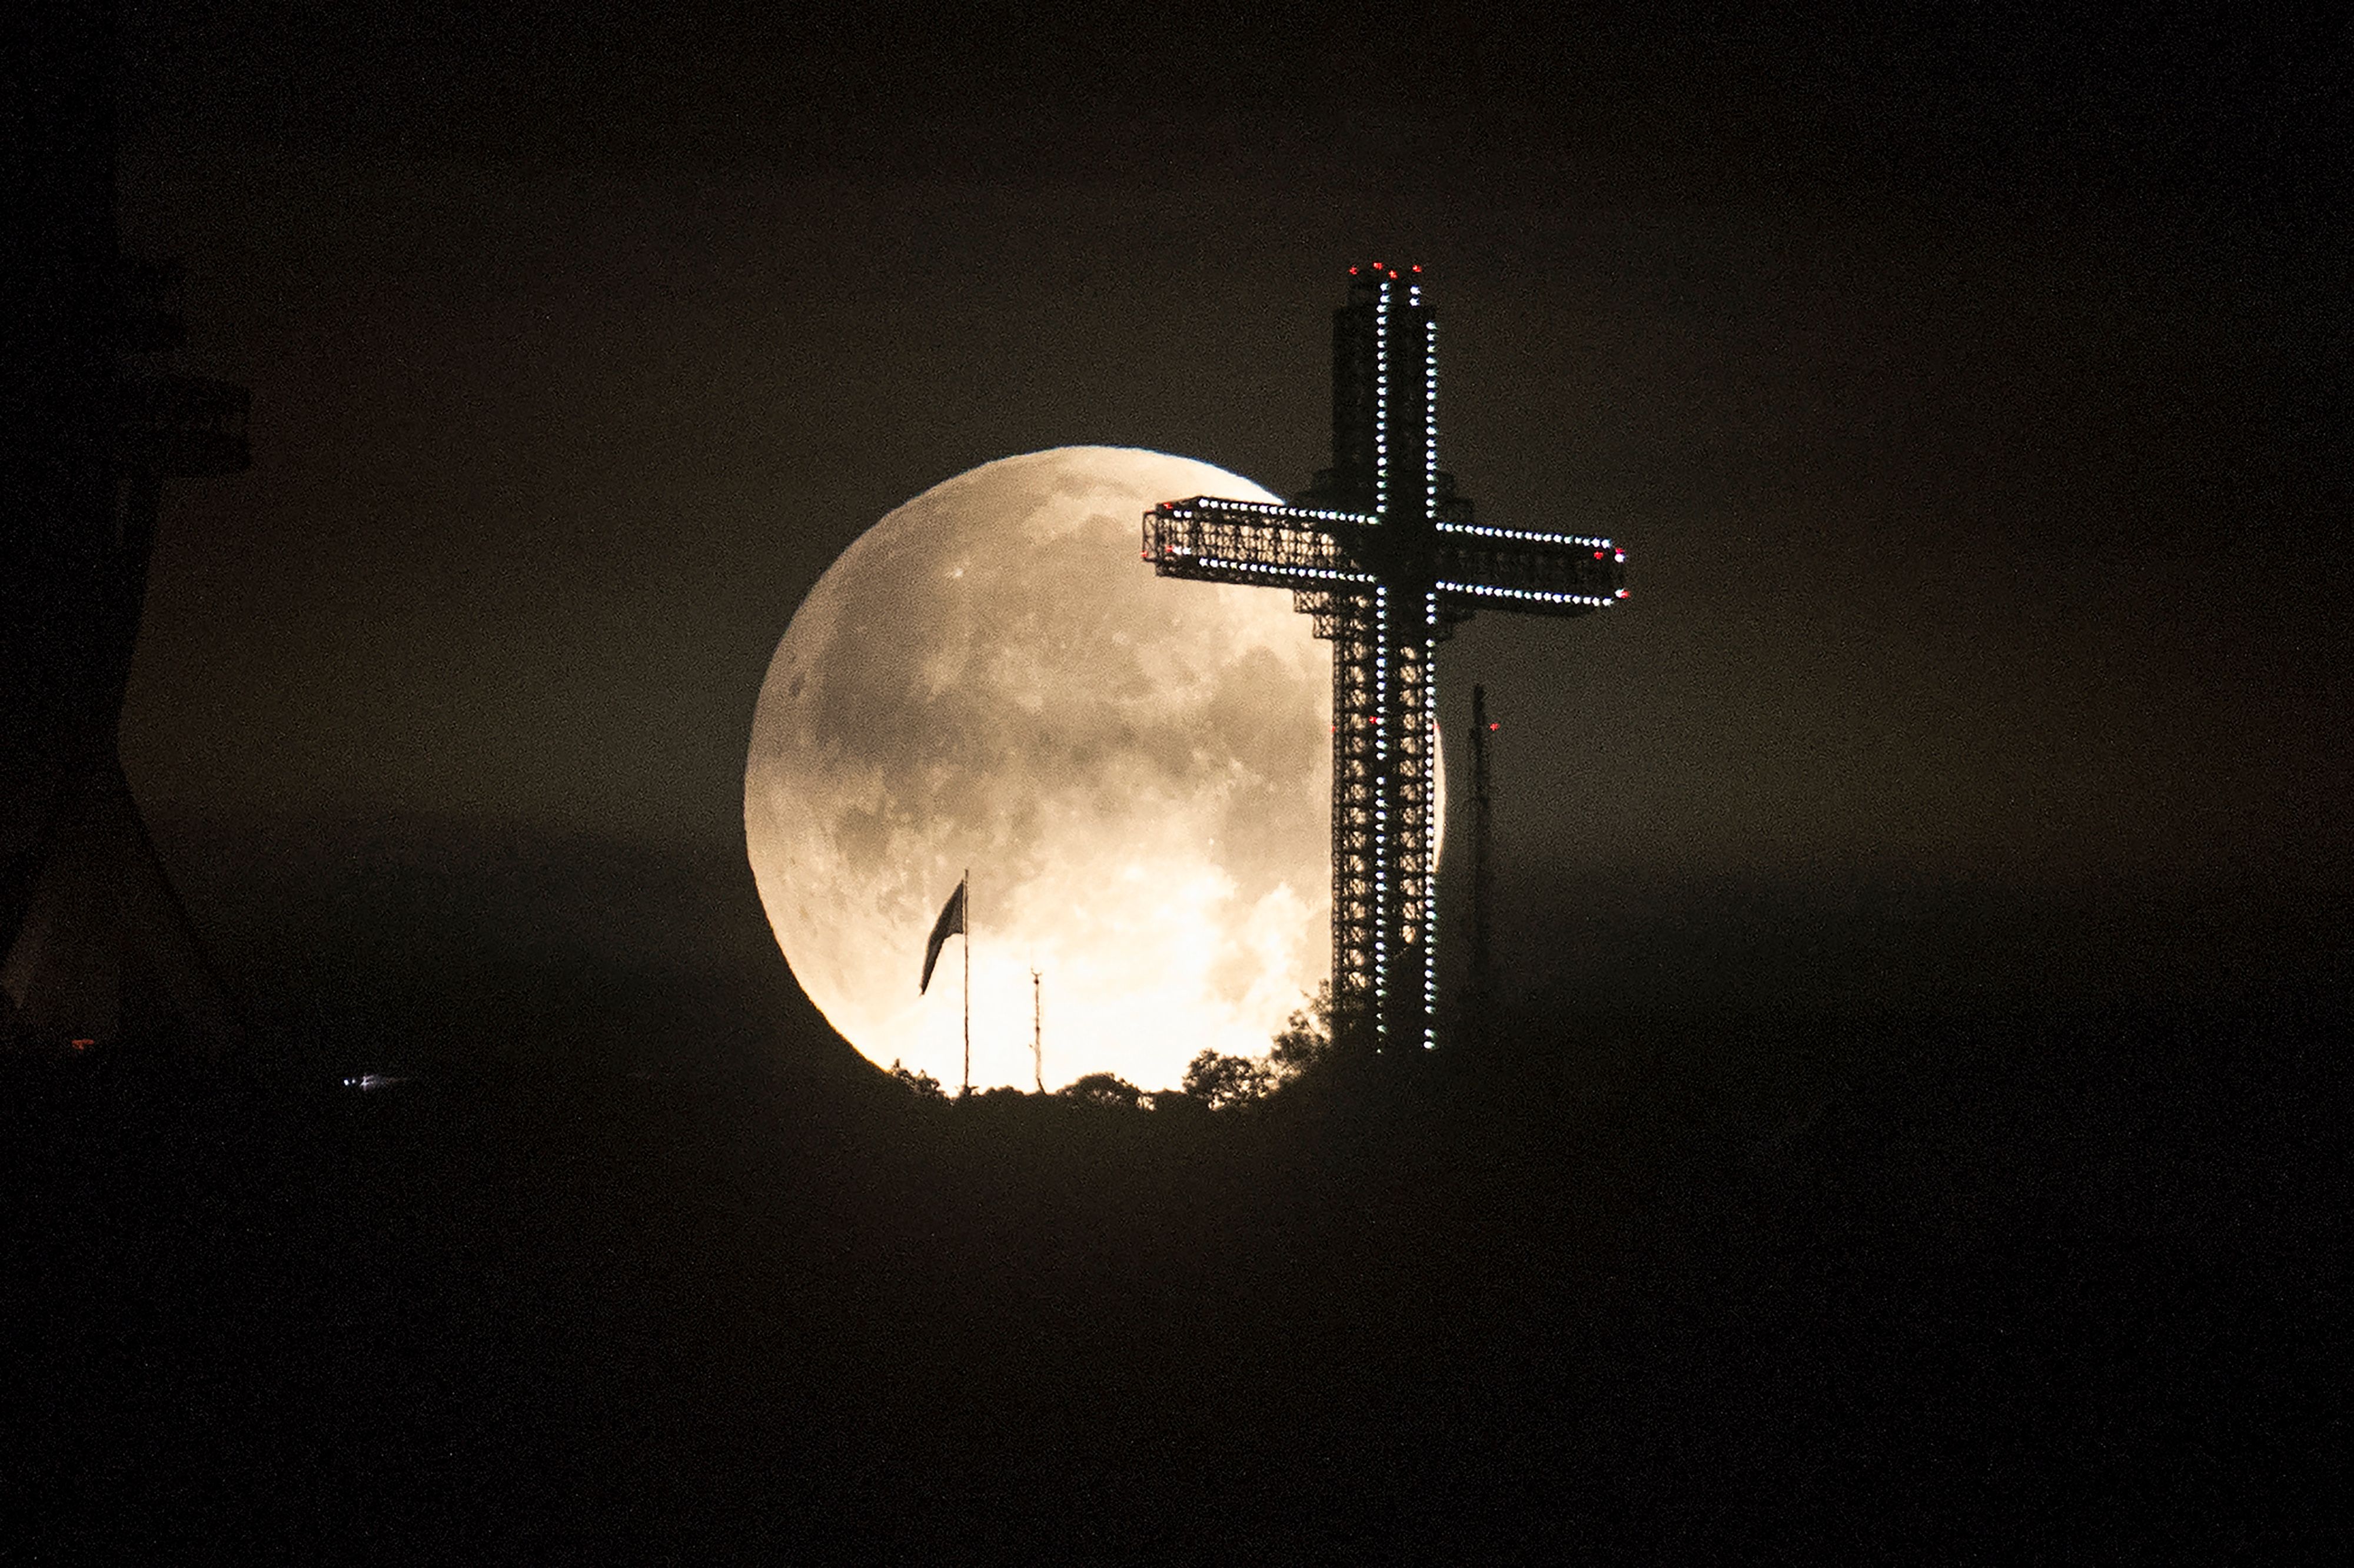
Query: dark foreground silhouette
[(2042, 1284)]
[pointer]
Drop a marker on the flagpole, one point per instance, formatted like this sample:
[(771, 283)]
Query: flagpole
[(967, 980)]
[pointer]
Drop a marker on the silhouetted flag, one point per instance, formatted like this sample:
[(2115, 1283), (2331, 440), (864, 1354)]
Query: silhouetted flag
[(949, 924)]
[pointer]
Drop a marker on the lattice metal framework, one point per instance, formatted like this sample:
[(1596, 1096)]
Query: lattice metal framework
[(1385, 557)]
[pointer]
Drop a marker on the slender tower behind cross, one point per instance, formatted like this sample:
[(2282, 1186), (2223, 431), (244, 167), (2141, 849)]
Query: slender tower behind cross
[(1384, 555), (1479, 989)]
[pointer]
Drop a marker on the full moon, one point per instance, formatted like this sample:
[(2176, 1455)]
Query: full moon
[(1138, 772)]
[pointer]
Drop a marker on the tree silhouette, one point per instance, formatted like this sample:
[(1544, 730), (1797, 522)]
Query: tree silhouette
[(1305, 1039), (1221, 1082), (1105, 1089), (1212, 1081), (923, 1085)]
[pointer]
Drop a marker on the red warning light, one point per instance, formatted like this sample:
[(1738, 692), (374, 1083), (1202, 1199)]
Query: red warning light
[(83, 1045), (1597, 555), (1491, 727), (1392, 274), (1417, 266), (1353, 271), (1622, 593)]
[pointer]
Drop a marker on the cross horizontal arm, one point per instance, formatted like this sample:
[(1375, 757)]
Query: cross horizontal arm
[(1251, 541), (1527, 573)]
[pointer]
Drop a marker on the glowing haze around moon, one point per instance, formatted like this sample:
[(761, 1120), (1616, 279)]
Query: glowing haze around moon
[(1136, 770)]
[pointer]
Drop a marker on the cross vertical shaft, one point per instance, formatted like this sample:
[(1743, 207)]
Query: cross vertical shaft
[(1383, 555), (1385, 664)]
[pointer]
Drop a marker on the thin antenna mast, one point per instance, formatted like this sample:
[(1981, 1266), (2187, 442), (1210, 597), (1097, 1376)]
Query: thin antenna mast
[(1483, 866), (967, 980), (1037, 1038)]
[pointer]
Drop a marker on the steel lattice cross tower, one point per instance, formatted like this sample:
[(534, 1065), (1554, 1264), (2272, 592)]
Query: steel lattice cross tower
[(1384, 553)]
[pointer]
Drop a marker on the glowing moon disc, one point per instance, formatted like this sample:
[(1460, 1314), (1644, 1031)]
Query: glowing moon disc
[(1136, 770)]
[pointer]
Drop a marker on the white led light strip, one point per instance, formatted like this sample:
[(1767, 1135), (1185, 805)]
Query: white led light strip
[(1430, 834), (1531, 538), (1381, 811), (1487, 592), (1429, 417), (1382, 403), (1320, 572), (1187, 509)]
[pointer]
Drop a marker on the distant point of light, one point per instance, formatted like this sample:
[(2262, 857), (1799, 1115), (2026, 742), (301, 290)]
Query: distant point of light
[(1417, 266), (1491, 727), (1622, 593)]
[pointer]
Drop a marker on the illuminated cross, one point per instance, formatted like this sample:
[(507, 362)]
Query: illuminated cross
[(1383, 554)]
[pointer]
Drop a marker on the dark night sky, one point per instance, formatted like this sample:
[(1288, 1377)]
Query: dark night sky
[(1911, 1110), (1971, 394)]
